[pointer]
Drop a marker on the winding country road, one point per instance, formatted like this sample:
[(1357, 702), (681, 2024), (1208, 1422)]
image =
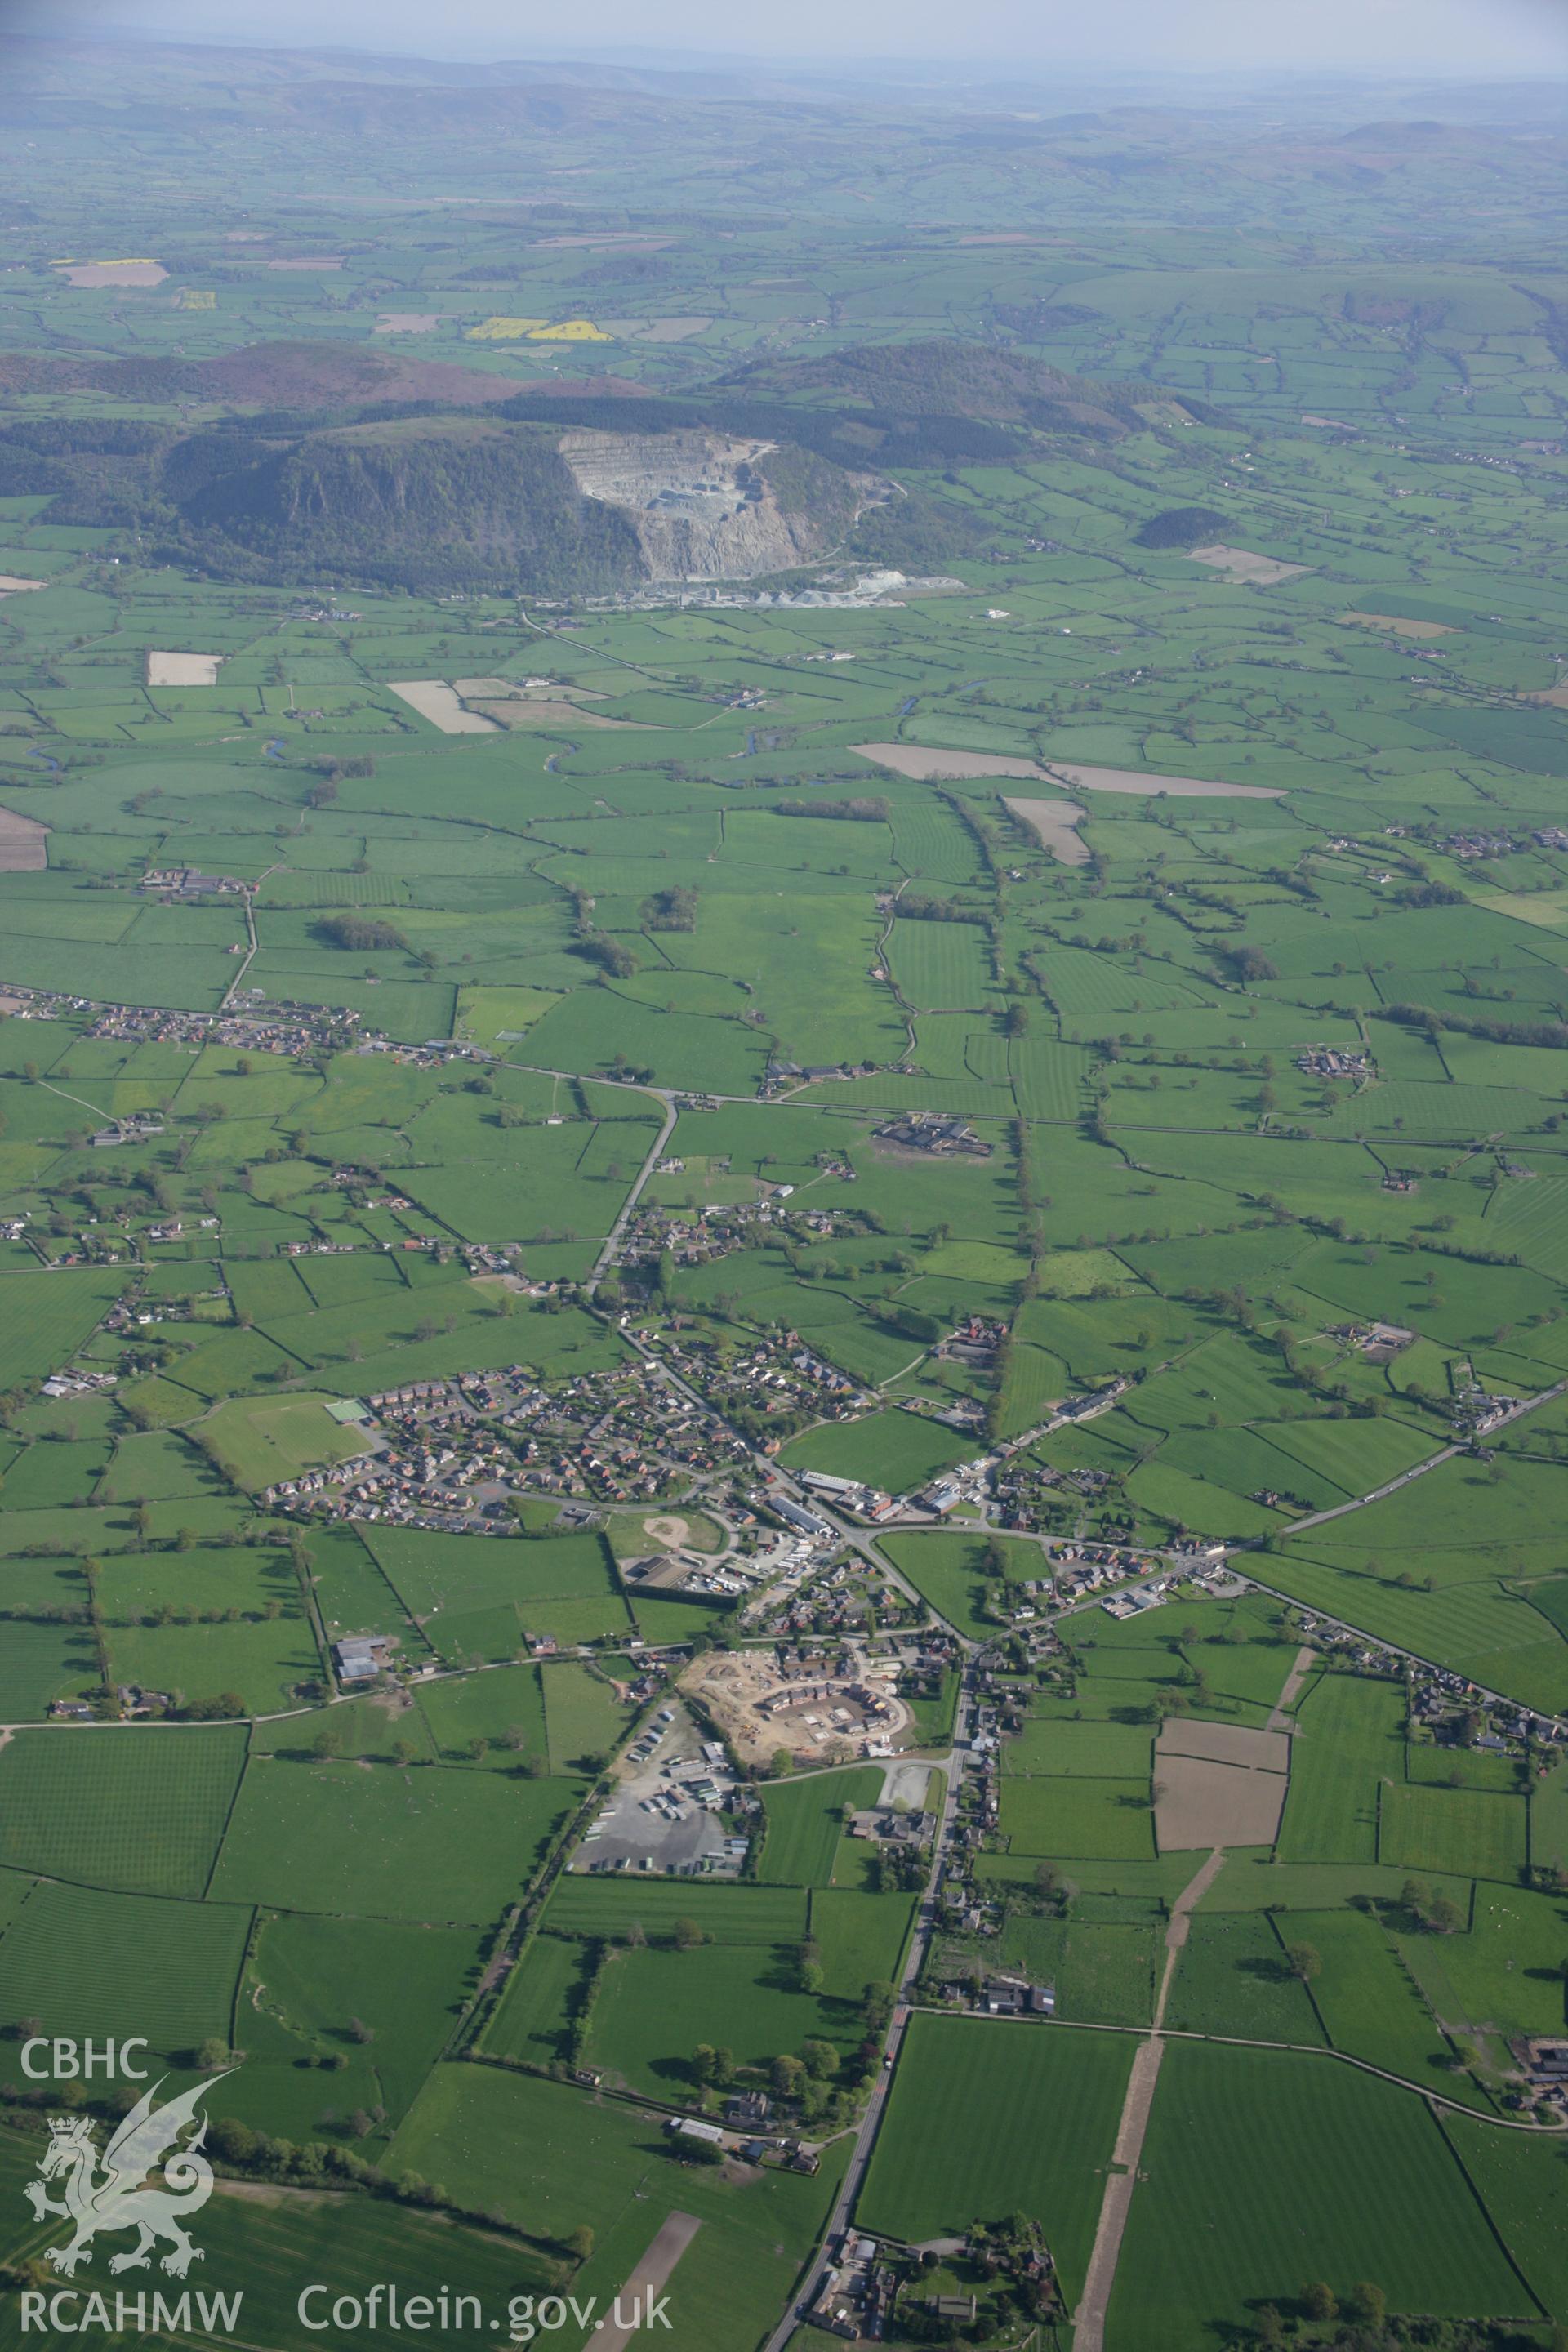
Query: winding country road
[(656, 1153), (1419, 1469)]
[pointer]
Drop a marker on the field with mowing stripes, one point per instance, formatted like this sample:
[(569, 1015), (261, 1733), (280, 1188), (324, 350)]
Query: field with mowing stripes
[(109, 1966), (444, 1845), (1348, 1746), (805, 1823), (988, 2118), (1264, 2171), (145, 1811)]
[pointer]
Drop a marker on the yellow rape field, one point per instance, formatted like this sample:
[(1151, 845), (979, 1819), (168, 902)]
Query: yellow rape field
[(536, 331), (504, 331)]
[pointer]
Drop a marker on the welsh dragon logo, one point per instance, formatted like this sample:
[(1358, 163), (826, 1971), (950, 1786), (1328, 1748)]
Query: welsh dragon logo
[(118, 2196)]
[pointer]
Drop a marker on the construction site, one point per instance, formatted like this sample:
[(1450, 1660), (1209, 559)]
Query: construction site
[(762, 1704)]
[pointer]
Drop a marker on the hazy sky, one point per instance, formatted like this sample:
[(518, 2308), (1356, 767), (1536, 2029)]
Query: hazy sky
[(1488, 39)]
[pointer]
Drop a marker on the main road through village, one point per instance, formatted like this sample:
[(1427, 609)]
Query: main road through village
[(951, 1766)]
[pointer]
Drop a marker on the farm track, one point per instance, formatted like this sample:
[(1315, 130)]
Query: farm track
[(252, 949), (80, 1101), (671, 2240), (1088, 2331), (1280, 1719), (1299, 2050)]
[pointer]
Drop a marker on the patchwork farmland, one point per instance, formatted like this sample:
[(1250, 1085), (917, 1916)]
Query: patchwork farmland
[(784, 1195)]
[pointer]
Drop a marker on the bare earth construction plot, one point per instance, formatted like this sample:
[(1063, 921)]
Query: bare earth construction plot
[(23, 844), (1396, 626), (1218, 1784), (1055, 825), (924, 764), (531, 703), (433, 699), (1248, 570), (100, 274), (826, 1717), (1134, 781), (182, 669)]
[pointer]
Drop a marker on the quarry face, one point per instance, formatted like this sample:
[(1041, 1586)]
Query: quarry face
[(701, 503)]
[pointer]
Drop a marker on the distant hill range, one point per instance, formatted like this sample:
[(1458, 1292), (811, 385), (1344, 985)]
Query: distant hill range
[(342, 464), (916, 391), (943, 376), (300, 375)]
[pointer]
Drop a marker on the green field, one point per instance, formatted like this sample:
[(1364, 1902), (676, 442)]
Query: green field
[(109, 1966), (422, 1844), (258, 1443), (950, 1572), (264, 2249), (1107, 1751), (1348, 1750), (861, 1938), (503, 1709), (986, 2119), (583, 1716), (380, 1999), (1110, 1970), (1233, 1978), (1370, 2001), (1520, 2182), (727, 1914), (552, 2160), (805, 1821), (1467, 1831), (142, 1810), (530, 2020), (1072, 1819), (897, 1451), (654, 2005), (481, 1600), (1264, 2171)]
